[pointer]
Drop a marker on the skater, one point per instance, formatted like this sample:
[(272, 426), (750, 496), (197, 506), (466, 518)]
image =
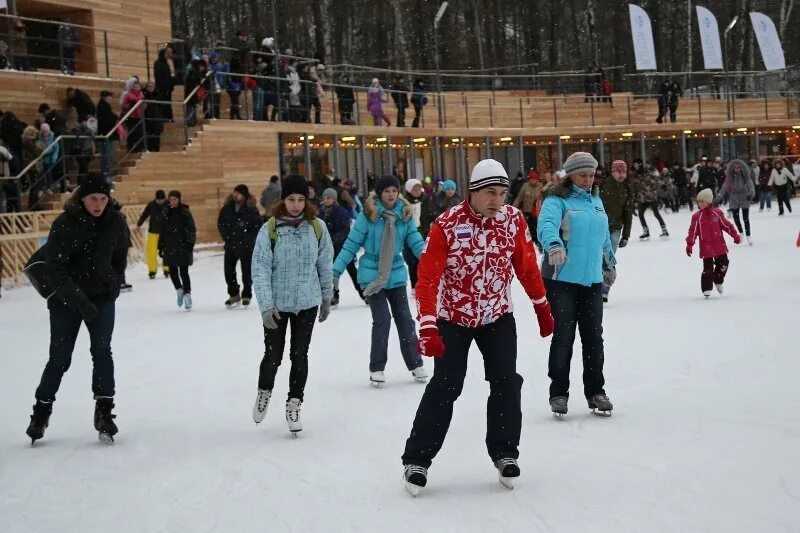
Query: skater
[(423, 212), (764, 189), (337, 219), (646, 185), (292, 280), (618, 200), (154, 210), (80, 272), (781, 178), (238, 224), (707, 225), (176, 246), (462, 296), (382, 230), (529, 201), (739, 190), (573, 272)]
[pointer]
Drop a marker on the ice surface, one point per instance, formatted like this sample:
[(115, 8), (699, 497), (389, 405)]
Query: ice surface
[(705, 433)]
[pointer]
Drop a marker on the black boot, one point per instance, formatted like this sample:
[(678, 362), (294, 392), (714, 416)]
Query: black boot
[(104, 420), (335, 300), (40, 419)]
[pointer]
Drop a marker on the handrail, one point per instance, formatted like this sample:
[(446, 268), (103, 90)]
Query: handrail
[(93, 28)]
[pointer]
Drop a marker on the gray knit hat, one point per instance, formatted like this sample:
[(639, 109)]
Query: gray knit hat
[(580, 162), (329, 193)]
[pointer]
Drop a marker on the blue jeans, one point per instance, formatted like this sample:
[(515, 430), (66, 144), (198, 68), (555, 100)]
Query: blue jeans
[(615, 237), (379, 304), (766, 197), (258, 103), (65, 323), (106, 149)]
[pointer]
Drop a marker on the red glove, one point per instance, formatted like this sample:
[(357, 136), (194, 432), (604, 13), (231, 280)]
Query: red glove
[(689, 251), (545, 318), (430, 343), (737, 239)]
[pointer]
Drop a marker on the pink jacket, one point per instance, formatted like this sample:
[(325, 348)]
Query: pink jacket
[(708, 225)]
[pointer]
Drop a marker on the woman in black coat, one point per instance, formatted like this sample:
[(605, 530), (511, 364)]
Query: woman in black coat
[(154, 120), (176, 246), (79, 270), (164, 82)]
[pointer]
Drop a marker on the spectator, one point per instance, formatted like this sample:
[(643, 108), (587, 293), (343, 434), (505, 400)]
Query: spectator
[(69, 42), (346, 97), (9, 189), (134, 123), (195, 78), (259, 87), (82, 148), (675, 92), (337, 219), (3, 59), (295, 101), (399, 92), (738, 189), (317, 92), (270, 194), (765, 192), (154, 210), (164, 78), (106, 124), (706, 177), (376, 97), (663, 101), (19, 46), (619, 201), (447, 197), (307, 90), (11, 130), (681, 181), (241, 45), (154, 121), (419, 99), (529, 201), (31, 150), (82, 103), (55, 119), (51, 158)]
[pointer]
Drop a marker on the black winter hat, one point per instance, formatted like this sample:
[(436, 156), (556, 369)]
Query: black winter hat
[(161, 195), (386, 181), (294, 184), (175, 194), (242, 189), (94, 183)]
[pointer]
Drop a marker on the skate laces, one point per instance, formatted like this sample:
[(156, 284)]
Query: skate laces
[(293, 410), (504, 462), (416, 469), (263, 400)]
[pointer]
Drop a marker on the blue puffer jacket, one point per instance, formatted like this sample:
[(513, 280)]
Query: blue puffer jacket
[(575, 220), (368, 232)]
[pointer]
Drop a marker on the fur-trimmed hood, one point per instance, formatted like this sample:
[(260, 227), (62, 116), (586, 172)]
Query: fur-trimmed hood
[(729, 172), (373, 208), (563, 190), (250, 201)]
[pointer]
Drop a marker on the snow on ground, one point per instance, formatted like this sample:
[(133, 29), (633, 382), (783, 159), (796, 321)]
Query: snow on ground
[(705, 435)]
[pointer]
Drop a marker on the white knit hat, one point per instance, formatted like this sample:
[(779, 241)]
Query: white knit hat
[(706, 195), (410, 184), (487, 173)]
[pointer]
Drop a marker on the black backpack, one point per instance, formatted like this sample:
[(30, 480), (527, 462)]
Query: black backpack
[(35, 272)]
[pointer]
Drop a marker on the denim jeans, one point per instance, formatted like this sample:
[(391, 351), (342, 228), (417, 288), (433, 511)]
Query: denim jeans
[(379, 304), (258, 103), (615, 237), (766, 197), (65, 323), (106, 150)]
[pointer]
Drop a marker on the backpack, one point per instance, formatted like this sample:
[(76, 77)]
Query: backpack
[(272, 228), (35, 272)]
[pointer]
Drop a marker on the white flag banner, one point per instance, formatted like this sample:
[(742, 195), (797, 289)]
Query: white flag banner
[(768, 41), (709, 38), (642, 32), (3, 4)]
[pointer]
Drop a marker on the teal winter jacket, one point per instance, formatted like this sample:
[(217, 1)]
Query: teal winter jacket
[(576, 220)]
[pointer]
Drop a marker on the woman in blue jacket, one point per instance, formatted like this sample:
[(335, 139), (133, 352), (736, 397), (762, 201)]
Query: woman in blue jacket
[(291, 279), (382, 230), (573, 229)]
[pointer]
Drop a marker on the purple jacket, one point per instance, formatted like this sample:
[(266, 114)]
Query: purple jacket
[(375, 101)]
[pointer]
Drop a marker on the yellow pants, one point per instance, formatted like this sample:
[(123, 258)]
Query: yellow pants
[(152, 253)]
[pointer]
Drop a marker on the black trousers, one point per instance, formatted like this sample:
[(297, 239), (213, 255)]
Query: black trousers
[(714, 270), (413, 263), (235, 111), (417, 116), (654, 206), (301, 326), (352, 270), (231, 258), (180, 278), (498, 345), (572, 305), (65, 323), (745, 216), (401, 117), (783, 197)]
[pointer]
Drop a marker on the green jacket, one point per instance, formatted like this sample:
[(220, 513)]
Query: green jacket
[(618, 199)]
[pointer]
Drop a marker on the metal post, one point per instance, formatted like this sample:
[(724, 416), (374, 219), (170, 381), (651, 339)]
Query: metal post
[(362, 165), (766, 107), (333, 105), (280, 155), (307, 156), (757, 143), (466, 111), (521, 120), (389, 158), (147, 55), (602, 150), (489, 151), (336, 166), (277, 61), (521, 149), (464, 163), (629, 110), (491, 115), (105, 46), (684, 156), (591, 104), (721, 146), (560, 150), (642, 147), (437, 161), (700, 108), (555, 114), (411, 160)]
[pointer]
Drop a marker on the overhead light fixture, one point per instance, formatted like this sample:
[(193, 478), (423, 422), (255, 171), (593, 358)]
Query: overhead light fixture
[(505, 139), (797, 127), (348, 139), (420, 140), (310, 138), (564, 137), (741, 129), (627, 134), (687, 132), (381, 139), (456, 140)]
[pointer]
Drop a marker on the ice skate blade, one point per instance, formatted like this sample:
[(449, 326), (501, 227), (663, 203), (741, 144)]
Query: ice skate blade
[(421, 380), (106, 438), (295, 433), (559, 416), (377, 384), (507, 482), (604, 414), (412, 489)]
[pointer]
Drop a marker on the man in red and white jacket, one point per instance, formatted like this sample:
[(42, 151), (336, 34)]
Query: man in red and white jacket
[(464, 276)]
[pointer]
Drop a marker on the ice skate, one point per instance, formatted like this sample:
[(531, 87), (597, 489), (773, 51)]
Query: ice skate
[(245, 301), (125, 287), (187, 301), (601, 405), (40, 419), (104, 420), (415, 478), (707, 294), (335, 299), (293, 415), (151, 275), (749, 240), (179, 292), (507, 470), (558, 404), (377, 379), (605, 298), (664, 233), (233, 301), (260, 407), (420, 374), (645, 235), (718, 287)]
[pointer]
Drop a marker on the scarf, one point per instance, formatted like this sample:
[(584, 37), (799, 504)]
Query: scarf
[(386, 254)]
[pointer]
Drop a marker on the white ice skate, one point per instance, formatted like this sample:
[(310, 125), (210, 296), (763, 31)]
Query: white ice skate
[(179, 294), (707, 294), (415, 478), (293, 415), (377, 379), (507, 471), (187, 301), (260, 407), (749, 240), (420, 374), (719, 287)]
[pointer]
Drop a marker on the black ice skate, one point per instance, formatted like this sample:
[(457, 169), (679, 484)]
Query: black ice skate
[(125, 287), (246, 301), (233, 301), (335, 300), (507, 470), (104, 420), (664, 233), (601, 405), (151, 275), (645, 234), (40, 419), (558, 404), (415, 478)]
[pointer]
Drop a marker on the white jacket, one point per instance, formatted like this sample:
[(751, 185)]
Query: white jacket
[(781, 178)]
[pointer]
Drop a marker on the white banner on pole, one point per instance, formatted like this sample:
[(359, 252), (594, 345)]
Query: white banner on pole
[(642, 32), (768, 41), (3, 4), (709, 38)]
